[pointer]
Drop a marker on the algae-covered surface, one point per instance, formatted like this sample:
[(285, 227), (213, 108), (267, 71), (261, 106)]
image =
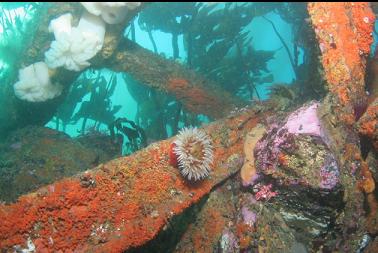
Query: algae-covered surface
[(188, 127)]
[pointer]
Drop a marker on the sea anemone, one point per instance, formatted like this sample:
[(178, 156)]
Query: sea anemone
[(62, 24), (34, 84), (111, 12), (74, 46), (193, 152)]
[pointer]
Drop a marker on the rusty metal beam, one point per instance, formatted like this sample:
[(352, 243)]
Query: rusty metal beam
[(344, 31), (121, 204)]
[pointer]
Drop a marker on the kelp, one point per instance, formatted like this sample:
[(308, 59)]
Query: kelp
[(17, 25), (214, 38)]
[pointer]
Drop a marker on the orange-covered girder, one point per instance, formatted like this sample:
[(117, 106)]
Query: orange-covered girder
[(344, 31), (121, 204)]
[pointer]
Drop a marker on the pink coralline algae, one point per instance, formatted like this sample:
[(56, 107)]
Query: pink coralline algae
[(329, 174), (264, 192), (268, 148), (249, 217), (253, 180), (228, 241), (304, 121), (281, 136), (296, 152)]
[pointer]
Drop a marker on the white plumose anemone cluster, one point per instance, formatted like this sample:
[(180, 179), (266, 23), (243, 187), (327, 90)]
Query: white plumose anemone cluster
[(194, 153), (34, 84), (71, 49), (111, 12), (74, 46)]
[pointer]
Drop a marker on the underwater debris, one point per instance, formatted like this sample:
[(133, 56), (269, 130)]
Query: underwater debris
[(193, 90), (344, 32), (196, 98), (372, 76), (100, 141), (193, 153), (71, 211), (211, 222), (239, 72), (265, 231), (326, 199), (33, 157)]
